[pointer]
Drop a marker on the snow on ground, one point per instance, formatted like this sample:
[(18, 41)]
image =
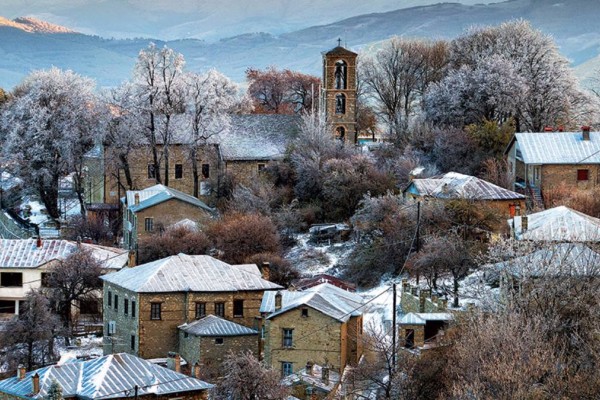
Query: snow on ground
[(89, 346), (312, 259)]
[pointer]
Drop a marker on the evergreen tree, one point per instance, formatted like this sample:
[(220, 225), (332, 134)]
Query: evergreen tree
[(54, 391)]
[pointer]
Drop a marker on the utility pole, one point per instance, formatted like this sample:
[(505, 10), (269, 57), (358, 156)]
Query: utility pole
[(136, 392), (394, 330), (418, 226)]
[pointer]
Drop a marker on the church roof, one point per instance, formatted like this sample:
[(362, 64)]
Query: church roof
[(340, 51)]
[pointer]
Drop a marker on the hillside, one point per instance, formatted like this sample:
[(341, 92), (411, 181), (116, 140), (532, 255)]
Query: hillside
[(110, 61)]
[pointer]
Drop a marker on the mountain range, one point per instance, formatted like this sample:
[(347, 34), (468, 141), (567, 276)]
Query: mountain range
[(28, 44)]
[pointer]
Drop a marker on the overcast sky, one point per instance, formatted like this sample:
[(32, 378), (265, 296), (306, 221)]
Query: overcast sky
[(203, 19)]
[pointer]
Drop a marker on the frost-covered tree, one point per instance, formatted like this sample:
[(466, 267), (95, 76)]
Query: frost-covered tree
[(54, 391), (159, 79), (209, 98), (397, 75), (51, 121)]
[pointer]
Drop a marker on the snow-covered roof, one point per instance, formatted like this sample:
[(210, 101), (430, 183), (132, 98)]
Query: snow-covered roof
[(563, 259), (24, 253), (181, 273), (453, 185), (112, 376), (258, 136), (558, 147), (157, 194), (185, 223), (211, 325), (326, 298), (422, 318), (559, 224)]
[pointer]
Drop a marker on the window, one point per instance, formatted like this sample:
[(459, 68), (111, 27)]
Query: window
[(7, 307), (219, 340), (11, 279), (238, 308), (205, 171), (125, 306), (132, 342), (186, 335), (111, 328), (340, 103), (178, 171), (261, 167), (116, 302), (287, 368), (200, 310), (109, 298), (340, 74), (305, 312), (340, 133), (288, 337), (148, 224), (155, 311), (133, 308), (151, 172), (45, 279), (583, 174), (220, 309)]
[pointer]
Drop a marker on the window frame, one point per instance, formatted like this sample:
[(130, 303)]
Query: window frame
[(10, 283), (200, 310), (116, 302), (132, 343), (151, 171), (287, 368), (205, 171), (178, 171), (583, 173), (155, 311), (148, 224), (132, 308), (221, 340), (109, 302), (287, 338), (304, 312), (237, 304), (220, 309), (125, 306)]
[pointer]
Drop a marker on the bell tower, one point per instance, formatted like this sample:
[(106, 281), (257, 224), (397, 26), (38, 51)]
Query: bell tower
[(338, 96)]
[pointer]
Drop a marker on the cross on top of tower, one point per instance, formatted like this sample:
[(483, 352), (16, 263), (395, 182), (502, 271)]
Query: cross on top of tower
[(339, 41)]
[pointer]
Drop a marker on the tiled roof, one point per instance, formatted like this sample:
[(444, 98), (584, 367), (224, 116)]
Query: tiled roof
[(159, 193), (563, 259), (340, 51), (258, 136), (211, 325), (24, 253), (453, 185), (558, 147), (326, 298), (112, 376), (558, 224), (181, 273)]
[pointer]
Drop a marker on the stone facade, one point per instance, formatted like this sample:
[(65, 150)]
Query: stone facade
[(210, 351), (411, 333), (418, 300), (154, 338), (340, 62), (316, 338), (244, 171)]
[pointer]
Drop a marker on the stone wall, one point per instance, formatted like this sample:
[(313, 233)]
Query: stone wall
[(418, 338), (554, 176), (416, 300), (244, 172)]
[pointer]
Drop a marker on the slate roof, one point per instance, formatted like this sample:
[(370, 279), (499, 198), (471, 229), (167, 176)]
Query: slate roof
[(112, 376), (181, 273), (558, 147), (258, 136), (453, 185), (559, 224), (563, 259), (326, 298), (211, 325), (24, 253), (159, 193)]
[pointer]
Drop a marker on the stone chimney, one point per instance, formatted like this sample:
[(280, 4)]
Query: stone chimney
[(278, 300), (325, 374), (524, 223), (21, 371), (265, 270), (136, 199), (131, 259), (38, 242), (585, 132), (174, 361), (196, 370), (309, 368), (35, 384)]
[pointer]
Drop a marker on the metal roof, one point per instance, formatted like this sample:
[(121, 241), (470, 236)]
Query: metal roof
[(181, 273), (326, 298), (24, 253), (453, 185), (112, 376), (159, 193), (211, 325), (558, 147), (563, 259), (258, 136), (422, 318), (558, 224)]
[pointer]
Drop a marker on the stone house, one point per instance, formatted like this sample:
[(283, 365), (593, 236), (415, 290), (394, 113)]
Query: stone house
[(543, 161), (157, 207), (25, 263), (455, 186), (207, 341), (113, 376), (321, 325), (145, 305), (314, 382)]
